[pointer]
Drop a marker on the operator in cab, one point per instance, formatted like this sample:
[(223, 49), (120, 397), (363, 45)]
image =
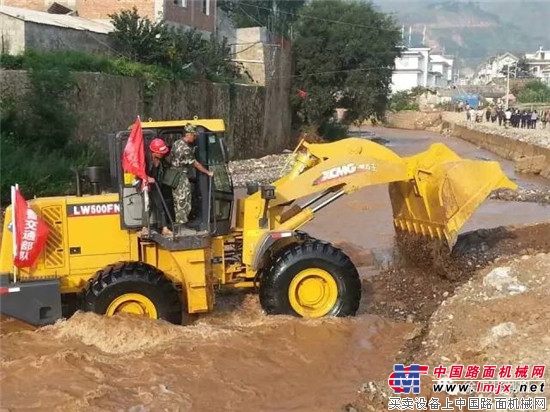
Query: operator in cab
[(156, 165), (182, 158)]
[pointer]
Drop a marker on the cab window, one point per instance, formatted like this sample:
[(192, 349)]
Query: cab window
[(217, 164)]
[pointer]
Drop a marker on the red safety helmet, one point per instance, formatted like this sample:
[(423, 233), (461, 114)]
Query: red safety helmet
[(158, 146)]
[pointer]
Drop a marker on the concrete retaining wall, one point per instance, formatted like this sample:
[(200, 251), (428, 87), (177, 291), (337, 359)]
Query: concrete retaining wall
[(257, 119), (502, 146)]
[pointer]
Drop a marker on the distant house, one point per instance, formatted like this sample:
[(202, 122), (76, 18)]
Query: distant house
[(417, 67), (22, 29), (441, 68), (199, 14), (539, 64), (411, 69), (493, 67)]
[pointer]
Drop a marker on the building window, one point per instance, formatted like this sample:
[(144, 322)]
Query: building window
[(206, 7), (181, 3)]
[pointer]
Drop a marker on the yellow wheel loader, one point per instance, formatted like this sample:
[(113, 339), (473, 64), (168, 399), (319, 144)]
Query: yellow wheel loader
[(94, 259)]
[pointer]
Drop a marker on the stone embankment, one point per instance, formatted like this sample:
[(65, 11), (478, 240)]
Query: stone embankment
[(529, 148)]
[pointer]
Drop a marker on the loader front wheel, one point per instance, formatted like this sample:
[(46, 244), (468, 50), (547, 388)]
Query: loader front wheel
[(312, 280), (133, 288)]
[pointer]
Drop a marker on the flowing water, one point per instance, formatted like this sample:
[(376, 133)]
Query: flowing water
[(236, 358)]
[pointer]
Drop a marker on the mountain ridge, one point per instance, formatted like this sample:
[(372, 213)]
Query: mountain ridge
[(473, 31)]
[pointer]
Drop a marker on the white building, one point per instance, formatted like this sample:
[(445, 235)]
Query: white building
[(416, 67), (493, 68), (539, 64), (441, 71), (411, 69)]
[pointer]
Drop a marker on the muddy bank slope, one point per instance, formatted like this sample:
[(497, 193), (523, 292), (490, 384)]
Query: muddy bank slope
[(414, 120), (490, 311)]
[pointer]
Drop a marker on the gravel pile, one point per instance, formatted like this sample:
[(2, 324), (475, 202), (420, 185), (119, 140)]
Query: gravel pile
[(537, 195), (263, 170)]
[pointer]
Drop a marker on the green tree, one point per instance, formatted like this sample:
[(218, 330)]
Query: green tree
[(138, 38), (345, 53), (172, 48), (534, 92)]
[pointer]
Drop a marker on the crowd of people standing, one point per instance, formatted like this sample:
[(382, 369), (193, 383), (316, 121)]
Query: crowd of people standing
[(511, 117)]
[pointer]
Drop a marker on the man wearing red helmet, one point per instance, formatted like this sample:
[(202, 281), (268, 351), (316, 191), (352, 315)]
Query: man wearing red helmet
[(156, 167)]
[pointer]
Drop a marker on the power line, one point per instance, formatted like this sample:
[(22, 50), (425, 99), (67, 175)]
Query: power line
[(319, 18), (249, 16)]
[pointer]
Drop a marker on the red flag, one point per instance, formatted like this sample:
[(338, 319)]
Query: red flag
[(31, 233), (302, 94), (133, 158)]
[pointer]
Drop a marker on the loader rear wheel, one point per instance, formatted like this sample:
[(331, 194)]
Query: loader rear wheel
[(312, 280), (133, 288)]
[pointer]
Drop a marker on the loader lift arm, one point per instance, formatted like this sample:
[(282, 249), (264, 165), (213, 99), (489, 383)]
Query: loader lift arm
[(432, 193)]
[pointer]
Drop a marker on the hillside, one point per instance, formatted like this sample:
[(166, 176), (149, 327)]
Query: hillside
[(473, 31)]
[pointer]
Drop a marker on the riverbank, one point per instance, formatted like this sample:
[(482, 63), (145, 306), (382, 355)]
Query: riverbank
[(537, 137), (528, 148), (489, 316), (488, 296)]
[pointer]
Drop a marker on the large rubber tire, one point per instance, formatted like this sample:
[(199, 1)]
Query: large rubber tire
[(276, 280), (137, 278)]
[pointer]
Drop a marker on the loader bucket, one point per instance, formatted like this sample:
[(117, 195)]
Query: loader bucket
[(442, 193)]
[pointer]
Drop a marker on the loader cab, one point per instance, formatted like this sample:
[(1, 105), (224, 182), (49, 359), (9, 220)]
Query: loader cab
[(212, 201)]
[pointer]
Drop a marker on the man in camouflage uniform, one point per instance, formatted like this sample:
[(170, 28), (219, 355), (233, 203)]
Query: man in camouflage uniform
[(182, 157)]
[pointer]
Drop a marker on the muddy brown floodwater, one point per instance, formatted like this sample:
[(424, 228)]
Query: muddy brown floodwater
[(236, 358)]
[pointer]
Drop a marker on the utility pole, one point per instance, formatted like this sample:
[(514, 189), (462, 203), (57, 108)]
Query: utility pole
[(507, 86), (424, 37)]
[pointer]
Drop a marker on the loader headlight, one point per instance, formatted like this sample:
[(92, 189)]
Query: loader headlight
[(10, 227), (268, 192)]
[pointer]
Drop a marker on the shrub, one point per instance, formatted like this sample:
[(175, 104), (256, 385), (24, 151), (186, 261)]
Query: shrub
[(10, 62), (534, 92), (403, 100), (36, 132), (40, 173), (333, 131)]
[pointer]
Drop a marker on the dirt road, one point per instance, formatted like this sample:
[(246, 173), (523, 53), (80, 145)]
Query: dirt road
[(239, 359)]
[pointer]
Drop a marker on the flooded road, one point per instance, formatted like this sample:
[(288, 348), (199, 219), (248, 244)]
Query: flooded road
[(235, 359)]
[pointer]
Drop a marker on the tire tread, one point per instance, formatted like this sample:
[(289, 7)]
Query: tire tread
[(274, 277), (135, 272)]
